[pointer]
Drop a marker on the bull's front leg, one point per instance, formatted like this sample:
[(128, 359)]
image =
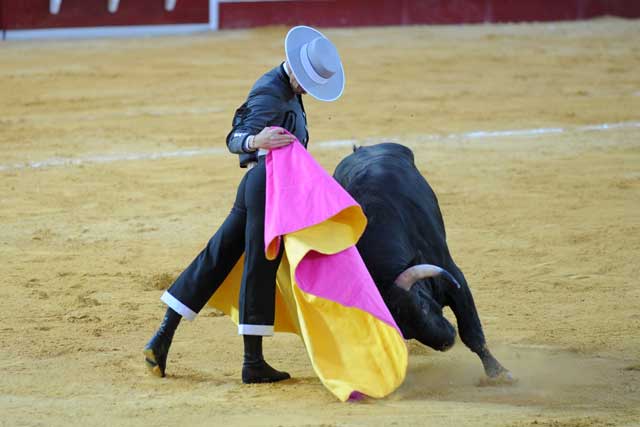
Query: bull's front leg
[(428, 288), (460, 299)]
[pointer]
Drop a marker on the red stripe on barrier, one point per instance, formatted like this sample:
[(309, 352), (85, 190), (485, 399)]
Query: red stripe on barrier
[(34, 14), (347, 13), (2, 6)]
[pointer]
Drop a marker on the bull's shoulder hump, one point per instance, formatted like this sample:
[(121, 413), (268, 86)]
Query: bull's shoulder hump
[(378, 153), (389, 149), (378, 161)]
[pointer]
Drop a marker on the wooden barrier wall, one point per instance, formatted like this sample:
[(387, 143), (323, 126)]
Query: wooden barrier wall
[(347, 13), (26, 15)]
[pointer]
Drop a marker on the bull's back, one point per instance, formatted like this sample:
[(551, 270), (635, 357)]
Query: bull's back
[(405, 226)]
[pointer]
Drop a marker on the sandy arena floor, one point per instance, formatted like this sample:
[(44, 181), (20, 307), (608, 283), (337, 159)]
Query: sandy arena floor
[(545, 223)]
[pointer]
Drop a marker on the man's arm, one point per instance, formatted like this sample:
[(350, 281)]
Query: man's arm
[(261, 111)]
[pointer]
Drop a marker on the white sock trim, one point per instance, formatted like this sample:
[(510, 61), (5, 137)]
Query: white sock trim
[(177, 306), (263, 330)]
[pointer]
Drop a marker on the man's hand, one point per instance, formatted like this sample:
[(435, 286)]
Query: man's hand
[(271, 137)]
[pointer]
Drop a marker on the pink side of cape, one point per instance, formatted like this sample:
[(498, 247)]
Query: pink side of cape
[(300, 194)]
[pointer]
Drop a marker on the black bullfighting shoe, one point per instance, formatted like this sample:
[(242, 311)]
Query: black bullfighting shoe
[(254, 368), (157, 349), (155, 354), (261, 372)]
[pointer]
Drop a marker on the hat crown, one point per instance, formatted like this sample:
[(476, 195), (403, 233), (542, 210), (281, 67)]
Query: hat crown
[(323, 57)]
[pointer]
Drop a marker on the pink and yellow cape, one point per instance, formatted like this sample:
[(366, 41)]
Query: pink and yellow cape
[(324, 291)]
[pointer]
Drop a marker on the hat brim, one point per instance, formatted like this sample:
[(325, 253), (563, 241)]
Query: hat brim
[(296, 38)]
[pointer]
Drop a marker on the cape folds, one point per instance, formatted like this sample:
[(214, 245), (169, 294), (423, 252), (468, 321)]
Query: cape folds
[(324, 291)]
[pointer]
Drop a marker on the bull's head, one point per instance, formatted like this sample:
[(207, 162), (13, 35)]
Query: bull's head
[(416, 312)]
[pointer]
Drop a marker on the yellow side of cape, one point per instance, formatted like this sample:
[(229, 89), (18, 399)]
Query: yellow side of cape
[(350, 349)]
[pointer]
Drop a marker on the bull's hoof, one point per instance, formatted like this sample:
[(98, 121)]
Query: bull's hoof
[(496, 374), (503, 378), (493, 368)]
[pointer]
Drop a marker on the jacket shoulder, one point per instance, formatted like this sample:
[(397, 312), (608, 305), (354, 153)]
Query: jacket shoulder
[(270, 84)]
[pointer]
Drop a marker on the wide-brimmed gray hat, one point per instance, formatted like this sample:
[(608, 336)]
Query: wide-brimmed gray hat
[(315, 63)]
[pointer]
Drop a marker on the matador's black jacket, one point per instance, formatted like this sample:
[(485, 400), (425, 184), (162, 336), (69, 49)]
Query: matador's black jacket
[(271, 102)]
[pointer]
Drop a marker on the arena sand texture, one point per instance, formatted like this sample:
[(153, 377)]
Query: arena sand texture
[(545, 224)]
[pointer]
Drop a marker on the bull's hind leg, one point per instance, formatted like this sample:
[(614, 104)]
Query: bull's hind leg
[(464, 308)]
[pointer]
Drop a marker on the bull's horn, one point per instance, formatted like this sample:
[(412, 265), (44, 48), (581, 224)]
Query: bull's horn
[(411, 275)]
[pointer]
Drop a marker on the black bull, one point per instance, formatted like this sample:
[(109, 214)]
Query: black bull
[(405, 229)]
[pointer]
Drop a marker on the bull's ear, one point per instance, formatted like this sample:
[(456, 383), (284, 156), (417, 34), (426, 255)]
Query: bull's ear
[(355, 148)]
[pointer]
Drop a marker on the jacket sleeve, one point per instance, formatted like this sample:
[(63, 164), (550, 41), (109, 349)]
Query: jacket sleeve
[(258, 112)]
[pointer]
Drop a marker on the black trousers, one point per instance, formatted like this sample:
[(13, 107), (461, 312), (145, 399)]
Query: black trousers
[(242, 231)]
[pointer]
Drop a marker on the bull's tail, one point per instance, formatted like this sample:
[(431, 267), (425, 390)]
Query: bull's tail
[(407, 278)]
